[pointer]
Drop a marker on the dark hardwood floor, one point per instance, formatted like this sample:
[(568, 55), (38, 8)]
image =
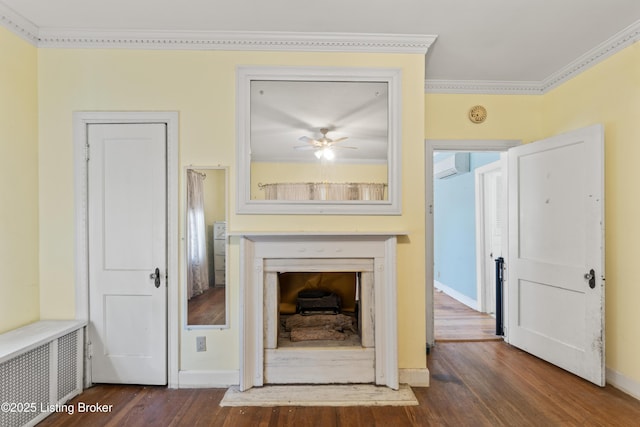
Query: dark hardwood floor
[(208, 308), (454, 321), (485, 383)]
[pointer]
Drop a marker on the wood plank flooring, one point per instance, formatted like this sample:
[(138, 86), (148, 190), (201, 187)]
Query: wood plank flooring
[(472, 384), (208, 308), (455, 321)]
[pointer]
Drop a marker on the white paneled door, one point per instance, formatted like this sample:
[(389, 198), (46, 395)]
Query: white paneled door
[(127, 188), (489, 218), (556, 251)]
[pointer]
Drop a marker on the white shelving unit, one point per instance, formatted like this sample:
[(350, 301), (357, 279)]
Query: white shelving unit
[(219, 252)]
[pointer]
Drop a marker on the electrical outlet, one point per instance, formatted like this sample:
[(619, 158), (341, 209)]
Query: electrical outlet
[(201, 343)]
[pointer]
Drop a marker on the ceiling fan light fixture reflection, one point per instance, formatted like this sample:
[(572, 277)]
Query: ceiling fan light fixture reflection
[(326, 153)]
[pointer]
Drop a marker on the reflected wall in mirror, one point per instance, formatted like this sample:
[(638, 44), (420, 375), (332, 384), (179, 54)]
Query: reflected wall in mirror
[(205, 247), (318, 140)]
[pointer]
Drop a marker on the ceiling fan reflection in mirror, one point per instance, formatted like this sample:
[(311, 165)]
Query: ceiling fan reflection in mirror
[(323, 146)]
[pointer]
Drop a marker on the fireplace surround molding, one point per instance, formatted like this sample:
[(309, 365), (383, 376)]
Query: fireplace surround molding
[(264, 253)]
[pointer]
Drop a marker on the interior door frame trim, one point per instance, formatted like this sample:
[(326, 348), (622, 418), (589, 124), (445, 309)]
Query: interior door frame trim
[(81, 120), (432, 145), (481, 236)]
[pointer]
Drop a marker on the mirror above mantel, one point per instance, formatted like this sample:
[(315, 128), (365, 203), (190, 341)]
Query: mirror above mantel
[(318, 140)]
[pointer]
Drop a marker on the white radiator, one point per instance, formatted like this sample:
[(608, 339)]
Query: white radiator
[(41, 366)]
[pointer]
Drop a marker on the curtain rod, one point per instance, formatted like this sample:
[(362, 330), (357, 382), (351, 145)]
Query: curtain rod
[(202, 174)]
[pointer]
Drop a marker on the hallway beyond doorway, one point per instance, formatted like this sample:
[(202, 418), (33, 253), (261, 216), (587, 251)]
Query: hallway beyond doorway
[(455, 322)]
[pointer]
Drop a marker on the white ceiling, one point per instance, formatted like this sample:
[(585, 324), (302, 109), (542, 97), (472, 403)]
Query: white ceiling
[(489, 40)]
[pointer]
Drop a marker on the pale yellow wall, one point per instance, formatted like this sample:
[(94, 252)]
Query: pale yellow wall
[(411, 254), (270, 173), (609, 93), (516, 117), (201, 87), (19, 301), (214, 196)]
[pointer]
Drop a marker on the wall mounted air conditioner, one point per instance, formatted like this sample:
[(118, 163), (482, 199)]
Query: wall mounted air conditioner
[(451, 166)]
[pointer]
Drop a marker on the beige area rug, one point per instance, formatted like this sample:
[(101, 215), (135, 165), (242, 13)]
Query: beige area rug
[(320, 395)]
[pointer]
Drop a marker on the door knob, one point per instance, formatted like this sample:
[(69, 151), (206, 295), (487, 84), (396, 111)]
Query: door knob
[(156, 277), (591, 277)]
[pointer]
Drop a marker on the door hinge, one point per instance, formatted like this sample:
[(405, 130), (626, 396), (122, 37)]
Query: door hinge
[(86, 152), (430, 209), (89, 350)]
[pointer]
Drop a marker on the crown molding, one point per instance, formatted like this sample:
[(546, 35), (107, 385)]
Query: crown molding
[(310, 42), (236, 40), (604, 50), (18, 25), (213, 40), (482, 87)]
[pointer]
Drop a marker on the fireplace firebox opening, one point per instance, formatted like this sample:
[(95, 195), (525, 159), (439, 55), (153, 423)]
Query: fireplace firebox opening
[(319, 309)]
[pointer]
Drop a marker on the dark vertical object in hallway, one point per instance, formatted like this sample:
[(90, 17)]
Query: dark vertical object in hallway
[(499, 305)]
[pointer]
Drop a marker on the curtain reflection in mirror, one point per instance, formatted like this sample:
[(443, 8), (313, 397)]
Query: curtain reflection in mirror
[(323, 191), (205, 247), (197, 268)]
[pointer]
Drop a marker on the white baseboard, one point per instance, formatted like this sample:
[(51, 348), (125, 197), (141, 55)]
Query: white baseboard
[(414, 377), (623, 383), (456, 295), (208, 379)]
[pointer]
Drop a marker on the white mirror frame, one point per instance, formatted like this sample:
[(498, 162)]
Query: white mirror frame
[(227, 297), (391, 206)]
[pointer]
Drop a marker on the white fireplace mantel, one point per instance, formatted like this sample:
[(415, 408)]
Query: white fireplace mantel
[(317, 247)]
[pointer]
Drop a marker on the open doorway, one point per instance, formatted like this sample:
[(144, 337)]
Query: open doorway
[(483, 148), (552, 308), (468, 213)]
